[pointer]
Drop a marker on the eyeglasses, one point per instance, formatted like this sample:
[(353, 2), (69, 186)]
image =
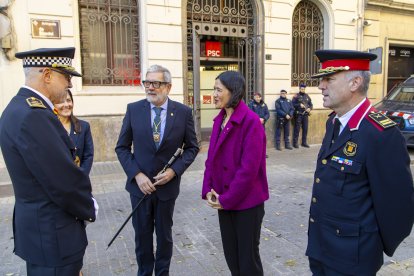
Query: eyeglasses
[(155, 84), (67, 76)]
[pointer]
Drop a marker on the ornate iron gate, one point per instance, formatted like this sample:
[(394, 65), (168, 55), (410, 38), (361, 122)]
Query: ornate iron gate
[(229, 18)]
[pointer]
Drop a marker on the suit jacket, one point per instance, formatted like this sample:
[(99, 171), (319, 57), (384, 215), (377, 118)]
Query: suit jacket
[(136, 131), (236, 162), (362, 198), (53, 196), (84, 145)]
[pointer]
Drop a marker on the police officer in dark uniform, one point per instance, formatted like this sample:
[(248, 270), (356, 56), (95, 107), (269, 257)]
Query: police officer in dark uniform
[(260, 108), (363, 198), (303, 106), (53, 196), (284, 113)]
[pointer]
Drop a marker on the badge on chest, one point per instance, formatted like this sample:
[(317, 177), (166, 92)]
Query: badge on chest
[(156, 136), (350, 148)]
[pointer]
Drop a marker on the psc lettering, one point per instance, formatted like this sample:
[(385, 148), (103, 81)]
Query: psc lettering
[(213, 53)]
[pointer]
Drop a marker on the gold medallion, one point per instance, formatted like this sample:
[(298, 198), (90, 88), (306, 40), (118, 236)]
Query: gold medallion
[(156, 137), (350, 148)]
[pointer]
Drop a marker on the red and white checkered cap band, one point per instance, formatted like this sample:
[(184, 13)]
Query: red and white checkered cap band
[(46, 61)]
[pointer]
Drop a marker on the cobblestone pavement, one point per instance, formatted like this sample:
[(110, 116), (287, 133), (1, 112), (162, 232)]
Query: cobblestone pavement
[(197, 243)]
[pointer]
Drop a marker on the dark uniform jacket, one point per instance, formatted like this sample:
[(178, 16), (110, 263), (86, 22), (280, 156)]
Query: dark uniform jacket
[(284, 107), (260, 109), (53, 196), (84, 145), (145, 157), (301, 98), (362, 199)]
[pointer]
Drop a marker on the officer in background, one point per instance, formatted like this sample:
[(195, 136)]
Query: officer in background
[(303, 106), (362, 198), (260, 108), (53, 197), (284, 113)]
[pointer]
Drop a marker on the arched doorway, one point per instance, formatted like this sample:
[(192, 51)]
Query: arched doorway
[(221, 35)]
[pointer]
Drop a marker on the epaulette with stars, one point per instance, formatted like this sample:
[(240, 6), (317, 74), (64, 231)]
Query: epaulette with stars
[(35, 102), (382, 120)]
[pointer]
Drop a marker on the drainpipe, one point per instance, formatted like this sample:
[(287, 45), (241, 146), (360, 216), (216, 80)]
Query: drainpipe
[(360, 25)]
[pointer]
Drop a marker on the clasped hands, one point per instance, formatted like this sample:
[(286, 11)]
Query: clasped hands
[(213, 200), (145, 184)]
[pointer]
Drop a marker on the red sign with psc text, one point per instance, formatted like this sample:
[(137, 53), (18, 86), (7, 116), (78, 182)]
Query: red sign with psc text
[(213, 48)]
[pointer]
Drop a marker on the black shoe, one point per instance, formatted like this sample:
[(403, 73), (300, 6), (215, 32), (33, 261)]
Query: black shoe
[(305, 145), (288, 147), (296, 146), (278, 147)]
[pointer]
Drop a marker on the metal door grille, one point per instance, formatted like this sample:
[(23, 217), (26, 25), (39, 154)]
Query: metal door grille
[(307, 37), (231, 18), (109, 42)]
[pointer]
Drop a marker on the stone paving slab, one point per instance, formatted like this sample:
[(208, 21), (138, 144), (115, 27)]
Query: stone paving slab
[(197, 243)]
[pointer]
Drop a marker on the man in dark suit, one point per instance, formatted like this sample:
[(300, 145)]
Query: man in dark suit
[(156, 127), (52, 195), (362, 199)]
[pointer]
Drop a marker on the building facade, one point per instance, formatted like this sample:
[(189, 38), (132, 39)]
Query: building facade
[(270, 42)]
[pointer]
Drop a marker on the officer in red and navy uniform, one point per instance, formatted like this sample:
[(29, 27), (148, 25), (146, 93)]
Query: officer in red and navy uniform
[(53, 197), (363, 198)]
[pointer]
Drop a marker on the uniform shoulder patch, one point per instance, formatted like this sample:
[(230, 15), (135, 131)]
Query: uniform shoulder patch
[(381, 120), (35, 102)]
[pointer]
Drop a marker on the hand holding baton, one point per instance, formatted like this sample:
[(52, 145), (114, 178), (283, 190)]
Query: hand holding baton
[(177, 153)]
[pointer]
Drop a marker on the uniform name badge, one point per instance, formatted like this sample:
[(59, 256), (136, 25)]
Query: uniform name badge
[(156, 137)]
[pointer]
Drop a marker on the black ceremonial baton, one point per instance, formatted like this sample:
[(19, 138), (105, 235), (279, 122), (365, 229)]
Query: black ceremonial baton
[(178, 152)]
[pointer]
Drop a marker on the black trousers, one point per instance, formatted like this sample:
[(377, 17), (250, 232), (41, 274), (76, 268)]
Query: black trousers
[(301, 121), (153, 214), (72, 269), (240, 235), (282, 125)]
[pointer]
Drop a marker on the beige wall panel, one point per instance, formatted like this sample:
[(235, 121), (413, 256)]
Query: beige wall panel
[(372, 42), (344, 44), (349, 5), (164, 33), (278, 26), (279, 56), (278, 9), (175, 66), (50, 7), (169, 3), (345, 17), (275, 71), (278, 41), (52, 43), (345, 31), (168, 51), (163, 15)]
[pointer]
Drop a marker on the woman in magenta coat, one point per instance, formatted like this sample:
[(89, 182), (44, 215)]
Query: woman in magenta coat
[(235, 180)]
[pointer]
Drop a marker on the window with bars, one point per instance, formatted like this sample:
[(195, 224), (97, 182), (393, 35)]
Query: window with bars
[(109, 31), (307, 37)]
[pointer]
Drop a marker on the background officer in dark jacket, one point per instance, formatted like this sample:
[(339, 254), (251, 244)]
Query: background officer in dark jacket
[(303, 106), (284, 113), (260, 108), (362, 198), (53, 196)]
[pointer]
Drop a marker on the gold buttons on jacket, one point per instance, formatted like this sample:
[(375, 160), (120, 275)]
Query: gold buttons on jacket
[(317, 180), (338, 232), (314, 199), (324, 161), (90, 219), (342, 168)]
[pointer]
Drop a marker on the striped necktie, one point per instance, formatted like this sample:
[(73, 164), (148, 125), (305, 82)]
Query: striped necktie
[(156, 126)]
